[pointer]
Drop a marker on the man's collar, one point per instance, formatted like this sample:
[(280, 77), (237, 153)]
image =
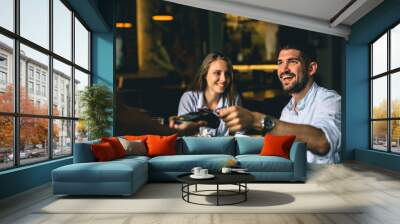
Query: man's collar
[(302, 103)]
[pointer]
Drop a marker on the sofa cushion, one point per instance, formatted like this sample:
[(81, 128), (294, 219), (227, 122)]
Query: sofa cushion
[(249, 145), (83, 152), (134, 147), (185, 163), (112, 171), (135, 137), (207, 145), (103, 152), (116, 145), (257, 163), (277, 145), (161, 145)]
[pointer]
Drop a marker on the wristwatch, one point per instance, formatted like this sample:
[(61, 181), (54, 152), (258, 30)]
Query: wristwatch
[(268, 123)]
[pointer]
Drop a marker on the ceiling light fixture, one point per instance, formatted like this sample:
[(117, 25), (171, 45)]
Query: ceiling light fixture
[(163, 18), (125, 25), (266, 67)]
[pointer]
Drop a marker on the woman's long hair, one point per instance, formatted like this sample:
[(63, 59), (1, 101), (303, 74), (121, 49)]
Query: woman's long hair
[(200, 82)]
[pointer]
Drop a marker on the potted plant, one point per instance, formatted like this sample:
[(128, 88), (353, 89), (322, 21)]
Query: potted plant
[(96, 104)]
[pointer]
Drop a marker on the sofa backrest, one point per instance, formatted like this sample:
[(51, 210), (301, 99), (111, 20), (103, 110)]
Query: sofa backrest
[(249, 145), (206, 145), (83, 152)]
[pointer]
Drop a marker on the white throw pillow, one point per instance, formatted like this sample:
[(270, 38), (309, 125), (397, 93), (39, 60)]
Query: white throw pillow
[(135, 147)]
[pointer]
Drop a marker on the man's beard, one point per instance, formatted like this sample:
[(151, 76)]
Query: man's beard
[(297, 86)]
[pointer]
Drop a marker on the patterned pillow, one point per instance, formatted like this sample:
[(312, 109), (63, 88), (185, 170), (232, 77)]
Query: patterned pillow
[(134, 147)]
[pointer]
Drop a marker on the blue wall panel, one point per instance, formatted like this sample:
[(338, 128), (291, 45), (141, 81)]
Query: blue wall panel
[(24, 178), (103, 60), (357, 85)]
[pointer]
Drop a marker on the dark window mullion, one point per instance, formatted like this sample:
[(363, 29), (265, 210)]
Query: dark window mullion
[(73, 82), (371, 89), (389, 112), (50, 87), (16, 84)]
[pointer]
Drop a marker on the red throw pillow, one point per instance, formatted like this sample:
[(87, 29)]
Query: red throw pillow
[(136, 137), (275, 145), (103, 151), (161, 145), (116, 145)]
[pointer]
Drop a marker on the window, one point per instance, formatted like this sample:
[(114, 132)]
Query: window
[(7, 14), (385, 96), (81, 45), (30, 87), (34, 21), (54, 126), (3, 72), (38, 89), (3, 61), (43, 90), (3, 78), (37, 74), (43, 77), (30, 72)]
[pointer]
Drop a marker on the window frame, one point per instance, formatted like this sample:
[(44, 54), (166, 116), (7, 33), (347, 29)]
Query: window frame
[(16, 63), (388, 74)]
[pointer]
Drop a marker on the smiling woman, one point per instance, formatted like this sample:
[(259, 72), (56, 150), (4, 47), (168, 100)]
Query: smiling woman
[(213, 89)]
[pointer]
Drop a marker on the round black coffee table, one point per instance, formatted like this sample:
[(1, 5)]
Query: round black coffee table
[(238, 179)]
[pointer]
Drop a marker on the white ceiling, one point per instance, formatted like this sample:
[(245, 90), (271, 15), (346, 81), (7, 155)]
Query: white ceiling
[(325, 16)]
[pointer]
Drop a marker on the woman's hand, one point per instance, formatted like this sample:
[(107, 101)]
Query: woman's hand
[(186, 128)]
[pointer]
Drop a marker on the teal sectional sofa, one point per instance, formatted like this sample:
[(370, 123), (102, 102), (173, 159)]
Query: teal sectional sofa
[(125, 176)]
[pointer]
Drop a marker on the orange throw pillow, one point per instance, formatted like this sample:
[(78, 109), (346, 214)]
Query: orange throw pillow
[(103, 151), (161, 145), (116, 145), (275, 145), (135, 137)]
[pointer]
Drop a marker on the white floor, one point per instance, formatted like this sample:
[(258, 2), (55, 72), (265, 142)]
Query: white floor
[(378, 189)]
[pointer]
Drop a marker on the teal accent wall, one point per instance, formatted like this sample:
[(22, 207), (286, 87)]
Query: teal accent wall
[(24, 178), (103, 61), (356, 143), (21, 179)]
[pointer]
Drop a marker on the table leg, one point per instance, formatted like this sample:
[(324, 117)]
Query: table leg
[(245, 191), (217, 194)]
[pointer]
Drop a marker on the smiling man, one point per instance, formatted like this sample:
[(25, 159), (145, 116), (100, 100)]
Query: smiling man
[(313, 113)]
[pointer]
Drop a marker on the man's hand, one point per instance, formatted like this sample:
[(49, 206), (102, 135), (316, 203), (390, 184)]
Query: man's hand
[(240, 119), (186, 128)]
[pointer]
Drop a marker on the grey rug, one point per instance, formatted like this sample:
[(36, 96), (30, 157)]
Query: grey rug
[(166, 198)]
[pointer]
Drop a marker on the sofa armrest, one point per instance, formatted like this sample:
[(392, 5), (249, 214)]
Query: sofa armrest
[(299, 158), (83, 152)]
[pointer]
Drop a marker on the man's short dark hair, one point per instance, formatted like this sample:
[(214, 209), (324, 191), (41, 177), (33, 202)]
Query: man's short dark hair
[(308, 53)]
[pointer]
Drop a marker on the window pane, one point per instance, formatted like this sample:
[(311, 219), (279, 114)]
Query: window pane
[(62, 137), (7, 14), (395, 136), (81, 131), (33, 139), (6, 142), (62, 89), (81, 81), (379, 135), (35, 21), (81, 45), (379, 55), (379, 97), (34, 97), (395, 47), (6, 74), (395, 94), (62, 29)]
